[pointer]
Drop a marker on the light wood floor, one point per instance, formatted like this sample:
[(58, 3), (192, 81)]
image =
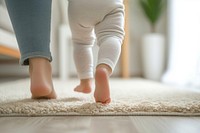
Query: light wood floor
[(100, 124)]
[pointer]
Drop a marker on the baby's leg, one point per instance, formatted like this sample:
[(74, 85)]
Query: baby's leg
[(109, 52), (110, 33), (102, 88), (83, 59), (83, 40)]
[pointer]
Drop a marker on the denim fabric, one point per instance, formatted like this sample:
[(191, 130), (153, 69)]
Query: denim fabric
[(31, 20)]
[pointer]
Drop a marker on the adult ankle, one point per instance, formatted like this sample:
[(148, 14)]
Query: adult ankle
[(37, 61)]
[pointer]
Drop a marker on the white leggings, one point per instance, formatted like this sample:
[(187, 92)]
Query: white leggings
[(102, 20)]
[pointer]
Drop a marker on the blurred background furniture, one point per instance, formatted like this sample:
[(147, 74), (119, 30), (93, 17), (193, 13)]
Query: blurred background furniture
[(125, 72), (8, 43)]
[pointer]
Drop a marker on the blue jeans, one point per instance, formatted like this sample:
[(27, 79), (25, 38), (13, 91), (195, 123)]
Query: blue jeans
[(31, 20)]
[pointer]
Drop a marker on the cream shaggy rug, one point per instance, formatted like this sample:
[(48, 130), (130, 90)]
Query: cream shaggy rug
[(129, 97)]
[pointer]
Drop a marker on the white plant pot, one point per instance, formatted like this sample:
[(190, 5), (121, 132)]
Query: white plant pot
[(153, 56)]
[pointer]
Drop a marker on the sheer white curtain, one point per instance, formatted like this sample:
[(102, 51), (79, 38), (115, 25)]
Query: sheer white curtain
[(184, 39)]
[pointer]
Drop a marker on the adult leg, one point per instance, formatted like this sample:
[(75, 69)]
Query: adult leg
[(31, 21)]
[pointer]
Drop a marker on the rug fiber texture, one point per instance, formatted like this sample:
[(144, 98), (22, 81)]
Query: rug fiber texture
[(129, 97)]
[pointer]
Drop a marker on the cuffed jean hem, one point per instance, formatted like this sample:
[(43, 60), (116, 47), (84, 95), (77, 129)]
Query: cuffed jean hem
[(24, 60)]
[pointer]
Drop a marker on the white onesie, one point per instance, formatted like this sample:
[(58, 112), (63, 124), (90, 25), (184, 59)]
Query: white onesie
[(102, 20)]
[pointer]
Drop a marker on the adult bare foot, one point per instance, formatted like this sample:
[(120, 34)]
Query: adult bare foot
[(102, 88), (85, 86), (41, 79)]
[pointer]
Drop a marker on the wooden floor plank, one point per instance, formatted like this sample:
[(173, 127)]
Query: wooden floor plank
[(100, 124), (71, 124), (118, 124), (159, 124), (21, 124)]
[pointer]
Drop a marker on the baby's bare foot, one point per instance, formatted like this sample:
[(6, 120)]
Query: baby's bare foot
[(41, 79), (85, 86), (102, 88)]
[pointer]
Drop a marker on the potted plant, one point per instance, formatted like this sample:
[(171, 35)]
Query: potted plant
[(153, 43)]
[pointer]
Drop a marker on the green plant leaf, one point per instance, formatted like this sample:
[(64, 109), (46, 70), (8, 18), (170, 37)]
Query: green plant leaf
[(152, 9)]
